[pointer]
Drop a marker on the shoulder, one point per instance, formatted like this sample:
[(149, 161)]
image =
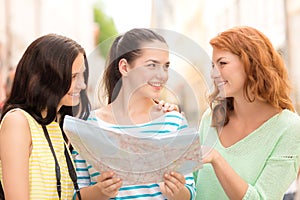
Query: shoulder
[(14, 119), (293, 117), (174, 116), (287, 126), (206, 116), (290, 120), (15, 130), (104, 114), (207, 113), (284, 130), (205, 123)]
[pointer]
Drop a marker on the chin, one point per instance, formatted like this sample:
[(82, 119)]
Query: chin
[(224, 94), (73, 103)]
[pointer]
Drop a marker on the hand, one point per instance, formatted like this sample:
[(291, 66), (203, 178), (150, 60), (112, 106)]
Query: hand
[(108, 185), (209, 154), (173, 185), (166, 107)]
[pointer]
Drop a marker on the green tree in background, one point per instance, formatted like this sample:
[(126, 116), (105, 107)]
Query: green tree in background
[(106, 26)]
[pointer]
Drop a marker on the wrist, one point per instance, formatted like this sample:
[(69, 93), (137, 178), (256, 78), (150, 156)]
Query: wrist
[(216, 158)]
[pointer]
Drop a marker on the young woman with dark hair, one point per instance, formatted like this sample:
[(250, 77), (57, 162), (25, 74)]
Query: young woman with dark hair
[(50, 82), (136, 72)]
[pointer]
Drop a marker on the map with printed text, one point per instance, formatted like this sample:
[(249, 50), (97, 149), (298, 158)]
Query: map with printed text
[(134, 159)]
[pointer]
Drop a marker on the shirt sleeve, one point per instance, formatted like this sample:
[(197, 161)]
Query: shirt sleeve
[(281, 168), (82, 170), (180, 120), (190, 185)]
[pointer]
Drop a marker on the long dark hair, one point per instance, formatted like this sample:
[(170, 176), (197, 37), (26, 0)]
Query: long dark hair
[(126, 46), (43, 76)]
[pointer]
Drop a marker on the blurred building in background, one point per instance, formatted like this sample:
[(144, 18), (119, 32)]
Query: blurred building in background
[(202, 20), (186, 18), (293, 44), (21, 22)]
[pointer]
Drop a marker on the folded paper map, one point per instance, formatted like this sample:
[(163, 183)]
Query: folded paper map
[(136, 160)]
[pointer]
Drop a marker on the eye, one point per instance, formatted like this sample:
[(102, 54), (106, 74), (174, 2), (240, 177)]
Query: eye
[(79, 74), (74, 76), (152, 65), (166, 66), (222, 63)]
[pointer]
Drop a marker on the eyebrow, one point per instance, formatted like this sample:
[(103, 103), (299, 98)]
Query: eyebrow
[(219, 59), (155, 61), (84, 68)]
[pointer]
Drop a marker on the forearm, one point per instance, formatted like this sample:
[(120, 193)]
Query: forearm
[(234, 186)]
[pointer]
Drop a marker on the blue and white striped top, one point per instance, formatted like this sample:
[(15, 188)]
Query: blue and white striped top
[(169, 122)]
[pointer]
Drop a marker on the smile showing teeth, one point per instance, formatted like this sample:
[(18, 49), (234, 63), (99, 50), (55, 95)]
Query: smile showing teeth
[(155, 84), (221, 83), (74, 94)]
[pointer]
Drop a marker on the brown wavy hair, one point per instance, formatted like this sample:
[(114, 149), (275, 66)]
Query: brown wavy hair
[(267, 78)]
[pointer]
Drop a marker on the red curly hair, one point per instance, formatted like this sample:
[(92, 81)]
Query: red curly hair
[(267, 78)]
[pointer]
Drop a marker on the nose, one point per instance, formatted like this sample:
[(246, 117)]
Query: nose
[(162, 73), (80, 84), (215, 73)]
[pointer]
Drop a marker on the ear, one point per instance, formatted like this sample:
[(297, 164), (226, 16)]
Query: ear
[(123, 67)]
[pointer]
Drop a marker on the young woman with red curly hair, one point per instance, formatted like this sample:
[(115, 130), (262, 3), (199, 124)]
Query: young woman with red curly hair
[(251, 125)]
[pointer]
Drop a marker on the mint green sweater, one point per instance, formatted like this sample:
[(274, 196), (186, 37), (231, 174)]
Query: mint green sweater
[(267, 159)]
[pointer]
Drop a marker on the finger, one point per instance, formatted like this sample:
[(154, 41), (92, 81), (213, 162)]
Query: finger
[(170, 108), (111, 183), (176, 108), (105, 175), (162, 187), (173, 183), (161, 104), (170, 188), (114, 186), (166, 105), (179, 177)]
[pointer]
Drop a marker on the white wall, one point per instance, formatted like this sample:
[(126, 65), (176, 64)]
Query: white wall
[(33, 18), (21, 22)]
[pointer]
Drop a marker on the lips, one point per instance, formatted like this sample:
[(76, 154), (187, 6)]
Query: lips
[(221, 83), (156, 84), (74, 94)]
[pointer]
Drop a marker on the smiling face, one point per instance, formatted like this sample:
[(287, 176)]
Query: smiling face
[(72, 98), (147, 75), (228, 73)]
